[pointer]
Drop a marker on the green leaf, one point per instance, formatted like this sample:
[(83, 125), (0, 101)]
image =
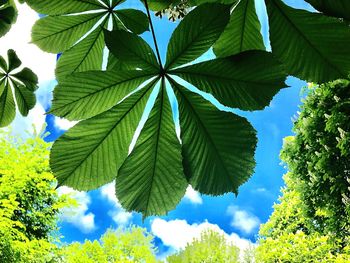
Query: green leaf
[(247, 81), (200, 2), (134, 20), (60, 7), (131, 50), (28, 78), (196, 33), (24, 83), (151, 180), (13, 60), (84, 56), (58, 33), (25, 98), (7, 104), (242, 32), (90, 154), (100, 91), (158, 5), (217, 147), (8, 16), (312, 46), (337, 8)]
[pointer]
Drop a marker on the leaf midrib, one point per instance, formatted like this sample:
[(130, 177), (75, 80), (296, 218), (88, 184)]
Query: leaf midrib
[(101, 90)]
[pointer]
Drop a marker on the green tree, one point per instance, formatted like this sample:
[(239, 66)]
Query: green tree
[(29, 204), (211, 247), (312, 221), (115, 246)]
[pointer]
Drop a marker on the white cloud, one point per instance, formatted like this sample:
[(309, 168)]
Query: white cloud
[(177, 233), (243, 220), (63, 124), (78, 216), (19, 37), (193, 196), (117, 213)]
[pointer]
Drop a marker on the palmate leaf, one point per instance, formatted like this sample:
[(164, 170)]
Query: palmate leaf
[(312, 46), (337, 8), (8, 16), (90, 154), (247, 81), (218, 147), (76, 29), (154, 166), (196, 34), (242, 32), (15, 85), (216, 152)]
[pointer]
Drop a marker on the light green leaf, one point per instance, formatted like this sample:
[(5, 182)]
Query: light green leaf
[(135, 20), (7, 104), (99, 92), (131, 50), (60, 7), (242, 32), (196, 33), (312, 46), (247, 81), (217, 147), (84, 56), (337, 8), (58, 33), (90, 154), (151, 180)]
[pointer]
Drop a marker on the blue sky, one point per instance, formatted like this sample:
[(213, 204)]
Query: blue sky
[(239, 217)]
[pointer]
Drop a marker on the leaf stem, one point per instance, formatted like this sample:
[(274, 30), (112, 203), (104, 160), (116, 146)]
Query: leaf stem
[(154, 36)]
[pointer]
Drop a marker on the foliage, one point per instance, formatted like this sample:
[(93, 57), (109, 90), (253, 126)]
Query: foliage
[(210, 247), (23, 82), (8, 15), (29, 203), (138, 94), (319, 156), (120, 246), (311, 223)]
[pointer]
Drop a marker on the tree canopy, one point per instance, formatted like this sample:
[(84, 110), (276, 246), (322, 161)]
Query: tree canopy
[(29, 204)]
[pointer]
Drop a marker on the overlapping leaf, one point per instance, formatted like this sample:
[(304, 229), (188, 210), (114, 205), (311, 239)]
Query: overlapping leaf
[(312, 46), (216, 153), (8, 16), (18, 85), (75, 27), (242, 32)]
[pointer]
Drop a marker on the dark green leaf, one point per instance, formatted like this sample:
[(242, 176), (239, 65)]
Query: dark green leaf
[(242, 32), (8, 16), (90, 154), (13, 60), (196, 33), (99, 92), (158, 5), (28, 78), (25, 98), (132, 50), (151, 180), (217, 147), (247, 81), (337, 8), (312, 46), (7, 104), (134, 20)]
